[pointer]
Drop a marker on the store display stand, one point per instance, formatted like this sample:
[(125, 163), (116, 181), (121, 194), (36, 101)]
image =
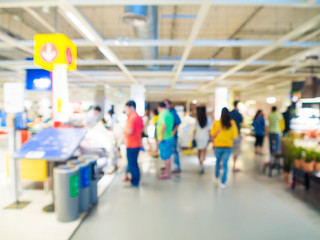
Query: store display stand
[(14, 174), (50, 207), (52, 145)]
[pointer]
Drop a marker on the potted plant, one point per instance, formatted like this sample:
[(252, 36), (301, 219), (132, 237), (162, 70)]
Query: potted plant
[(299, 155), (317, 165), (309, 162)]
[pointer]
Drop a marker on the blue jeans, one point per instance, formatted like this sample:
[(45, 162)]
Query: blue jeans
[(222, 154), (274, 141), (133, 167), (175, 153)]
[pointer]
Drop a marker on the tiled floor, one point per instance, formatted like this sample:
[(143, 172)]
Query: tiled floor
[(190, 206)]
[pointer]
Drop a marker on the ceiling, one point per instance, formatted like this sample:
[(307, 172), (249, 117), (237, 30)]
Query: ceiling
[(247, 46)]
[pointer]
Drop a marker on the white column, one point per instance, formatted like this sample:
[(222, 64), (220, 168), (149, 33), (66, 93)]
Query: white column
[(137, 94), (220, 101), (60, 94)]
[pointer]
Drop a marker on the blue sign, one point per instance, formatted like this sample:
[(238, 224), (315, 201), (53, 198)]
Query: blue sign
[(52, 144), (3, 117), (38, 80), (85, 177)]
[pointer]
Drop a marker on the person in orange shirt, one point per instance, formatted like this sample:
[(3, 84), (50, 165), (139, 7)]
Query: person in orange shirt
[(223, 132), (133, 134)]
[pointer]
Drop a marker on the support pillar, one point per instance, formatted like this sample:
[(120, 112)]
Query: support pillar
[(220, 101), (137, 94)]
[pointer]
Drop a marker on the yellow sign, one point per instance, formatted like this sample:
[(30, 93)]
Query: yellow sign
[(54, 49), (59, 105)]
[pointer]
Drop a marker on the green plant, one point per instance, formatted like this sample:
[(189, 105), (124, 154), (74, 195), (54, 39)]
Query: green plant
[(289, 155), (300, 152), (310, 156)]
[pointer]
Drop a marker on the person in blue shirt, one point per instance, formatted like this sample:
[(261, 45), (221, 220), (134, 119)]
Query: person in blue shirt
[(237, 117), (177, 122), (259, 126)]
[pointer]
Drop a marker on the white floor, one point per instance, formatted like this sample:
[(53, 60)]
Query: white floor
[(190, 206), (31, 222)]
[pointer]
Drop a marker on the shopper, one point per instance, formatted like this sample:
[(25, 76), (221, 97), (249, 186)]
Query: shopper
[(93, 117), (177, 122), (155, 122), (145, 134), (146, 119), (223, 132), (112, 147), (165, 138), (133, 133), (275, 119), (259, 126), (287, 118), (202, 135), (237, 117)]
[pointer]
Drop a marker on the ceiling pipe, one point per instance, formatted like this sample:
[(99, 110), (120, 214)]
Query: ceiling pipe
[(144, 20)]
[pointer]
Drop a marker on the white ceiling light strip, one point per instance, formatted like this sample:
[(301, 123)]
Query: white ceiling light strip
[(82, 25), (108, 54), (202, 13)]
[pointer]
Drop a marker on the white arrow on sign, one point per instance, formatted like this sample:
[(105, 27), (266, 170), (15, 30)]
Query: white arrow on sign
[(49, 52)]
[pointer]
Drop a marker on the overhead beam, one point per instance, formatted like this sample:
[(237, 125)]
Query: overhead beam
[(307, 37), (39, 19), (14, 43), (259, 90), (240, 28), (181, 43), (293, 34), (285, 61), (27, 64), (52, 3), (275, 74), (20, 4), (73, 16), (202, 13)]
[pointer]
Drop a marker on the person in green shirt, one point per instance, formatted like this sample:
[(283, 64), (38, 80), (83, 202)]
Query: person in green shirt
[(274, 130), (165, 137)]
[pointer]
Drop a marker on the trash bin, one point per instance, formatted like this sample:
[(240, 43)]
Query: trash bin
[(92, 160), (66, 189), (84, 196)]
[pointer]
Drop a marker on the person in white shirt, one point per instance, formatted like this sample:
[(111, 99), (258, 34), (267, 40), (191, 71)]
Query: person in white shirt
[(93, 117), (202, 135)]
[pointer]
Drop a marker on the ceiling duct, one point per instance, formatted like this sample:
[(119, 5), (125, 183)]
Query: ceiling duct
[(144, 20), (311, 87)]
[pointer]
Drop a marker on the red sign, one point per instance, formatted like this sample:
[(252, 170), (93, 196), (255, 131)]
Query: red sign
[(69, 56), (49, 52)]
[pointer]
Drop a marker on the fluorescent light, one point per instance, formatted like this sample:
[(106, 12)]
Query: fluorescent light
[(271, 100), (198, 78), (107, 54), (80, 26), (310, 100)]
